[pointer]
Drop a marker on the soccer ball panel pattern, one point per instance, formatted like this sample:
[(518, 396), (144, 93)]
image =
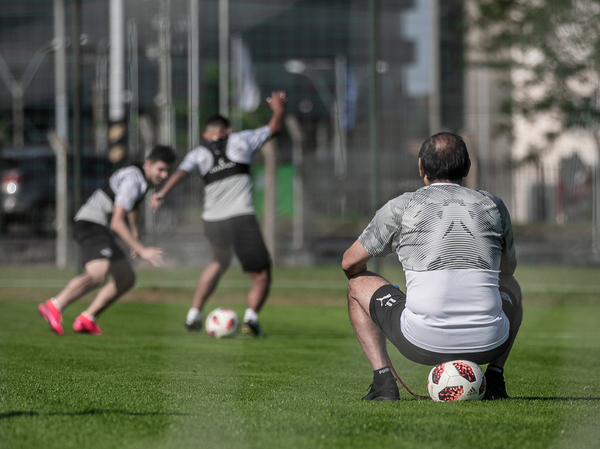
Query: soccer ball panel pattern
[(222, 322), (458, 380)]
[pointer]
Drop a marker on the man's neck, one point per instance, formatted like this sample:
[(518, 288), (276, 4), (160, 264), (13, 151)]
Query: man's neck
[(443, 182)]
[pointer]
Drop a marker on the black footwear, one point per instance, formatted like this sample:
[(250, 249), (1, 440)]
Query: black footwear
[(252, 329), (495, 387), (386, 392), (194, 327)]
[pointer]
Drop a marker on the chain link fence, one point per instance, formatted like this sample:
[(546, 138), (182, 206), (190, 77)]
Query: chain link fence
[(365, 91)]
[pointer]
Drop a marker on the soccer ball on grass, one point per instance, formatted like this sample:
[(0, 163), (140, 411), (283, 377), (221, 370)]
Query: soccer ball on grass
[(222, 322), (458, 380)]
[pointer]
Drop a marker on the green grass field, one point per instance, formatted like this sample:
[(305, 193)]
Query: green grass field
[(147, 384)]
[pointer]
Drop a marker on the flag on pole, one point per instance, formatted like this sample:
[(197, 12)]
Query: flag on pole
[(249, 98)]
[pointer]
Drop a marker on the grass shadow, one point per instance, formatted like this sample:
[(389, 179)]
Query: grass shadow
[(553, 398), (15, 414)]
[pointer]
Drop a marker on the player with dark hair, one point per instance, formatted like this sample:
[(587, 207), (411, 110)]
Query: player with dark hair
[(223, 161), (111, 210), (457, 252)]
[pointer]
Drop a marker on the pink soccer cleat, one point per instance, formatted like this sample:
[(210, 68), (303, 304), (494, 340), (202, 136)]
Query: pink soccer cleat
[(52, 315), (85, 325)]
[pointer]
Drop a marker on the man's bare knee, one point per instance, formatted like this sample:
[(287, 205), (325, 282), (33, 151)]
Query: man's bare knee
[(365, 283), (362, 287), (96, 279)]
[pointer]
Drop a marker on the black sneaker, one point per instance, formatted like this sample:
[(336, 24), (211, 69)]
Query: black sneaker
[(495, 387), (252, 329), (193, 327), (386, 392)]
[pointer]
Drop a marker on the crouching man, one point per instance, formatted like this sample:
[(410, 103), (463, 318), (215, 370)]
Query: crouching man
[(456, 248)]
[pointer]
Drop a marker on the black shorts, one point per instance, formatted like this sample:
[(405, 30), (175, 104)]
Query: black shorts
[(96, 242), (386, 307), (243, 234)]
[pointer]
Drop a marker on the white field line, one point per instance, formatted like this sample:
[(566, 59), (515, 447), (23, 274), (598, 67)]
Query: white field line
[(283, 284), (288, 284)]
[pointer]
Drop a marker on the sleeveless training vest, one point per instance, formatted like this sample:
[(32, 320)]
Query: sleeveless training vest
[(222, 167), (111, 194)]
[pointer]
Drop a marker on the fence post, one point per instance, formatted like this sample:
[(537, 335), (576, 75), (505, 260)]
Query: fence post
[(269, 153), (59, 147)]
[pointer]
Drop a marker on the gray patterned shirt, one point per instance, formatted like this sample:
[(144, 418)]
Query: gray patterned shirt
[(452, 242)]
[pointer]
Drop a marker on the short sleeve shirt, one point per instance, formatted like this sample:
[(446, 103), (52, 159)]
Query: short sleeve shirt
[(129, 186), (452, 242), (231, 196)]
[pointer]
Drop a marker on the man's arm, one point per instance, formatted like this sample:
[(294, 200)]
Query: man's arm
[(277, 102), (156, 199), (355, 260), (132, 219), (508, 262), (119, 225)]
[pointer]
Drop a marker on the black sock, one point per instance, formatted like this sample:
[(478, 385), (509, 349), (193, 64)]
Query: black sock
[(495, 368), (381, 375)]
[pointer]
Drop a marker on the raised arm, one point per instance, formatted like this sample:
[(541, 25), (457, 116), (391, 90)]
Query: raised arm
[(277, 102), (156, 199)]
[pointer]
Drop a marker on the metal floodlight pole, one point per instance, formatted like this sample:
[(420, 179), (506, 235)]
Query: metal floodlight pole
[(76, 76), (434, 93), (59, 146), (166, 134), (237, 69), (341, 87), (224, 57), (132, 89), (295, 130), (60, 70), (194, 77), (59, 140), (373, 88), (116, 106)]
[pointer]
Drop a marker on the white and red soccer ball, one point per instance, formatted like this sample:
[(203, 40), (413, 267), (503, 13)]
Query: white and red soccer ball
[(458, 380), (222, 322)]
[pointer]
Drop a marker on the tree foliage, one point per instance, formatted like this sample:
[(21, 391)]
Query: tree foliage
[(552, 49)]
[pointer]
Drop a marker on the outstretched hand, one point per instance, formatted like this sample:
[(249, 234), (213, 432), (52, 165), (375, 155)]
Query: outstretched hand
[(155, 201), (277, 100), (153, 255)]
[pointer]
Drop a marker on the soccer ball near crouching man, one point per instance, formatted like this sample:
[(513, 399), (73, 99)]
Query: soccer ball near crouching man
[(456, 248)]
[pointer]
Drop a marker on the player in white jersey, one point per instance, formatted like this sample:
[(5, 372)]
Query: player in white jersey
[(223, 162), (457, 252), (111, 210)]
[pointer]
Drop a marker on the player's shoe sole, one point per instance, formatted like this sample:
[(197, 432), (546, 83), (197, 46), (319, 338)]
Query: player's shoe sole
[(83, 325), (194, 327), (252, 329), (52, 315)]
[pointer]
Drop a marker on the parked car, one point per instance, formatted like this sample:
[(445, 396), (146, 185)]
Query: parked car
[(29, 185)]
